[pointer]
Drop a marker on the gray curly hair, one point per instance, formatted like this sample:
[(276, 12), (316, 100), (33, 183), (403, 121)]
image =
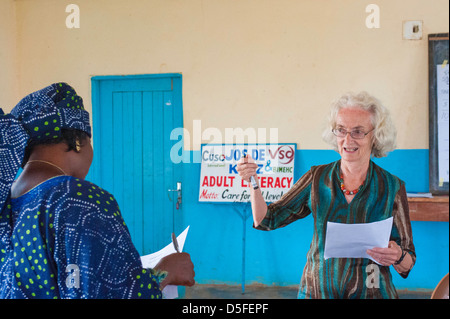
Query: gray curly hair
[(385, 133)]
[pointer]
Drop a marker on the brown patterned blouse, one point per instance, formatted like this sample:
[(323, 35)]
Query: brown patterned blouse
[(318, 192)]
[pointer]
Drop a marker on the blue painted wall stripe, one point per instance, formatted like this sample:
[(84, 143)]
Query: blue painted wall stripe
[(278, 257)]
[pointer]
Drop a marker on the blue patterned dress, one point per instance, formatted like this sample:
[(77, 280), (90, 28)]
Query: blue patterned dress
[(66, 238), (318, 192)]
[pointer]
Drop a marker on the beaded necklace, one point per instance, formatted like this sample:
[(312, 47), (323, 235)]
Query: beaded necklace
[(344, 190)]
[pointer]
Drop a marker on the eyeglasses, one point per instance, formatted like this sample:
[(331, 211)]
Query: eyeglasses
[(356, 134)]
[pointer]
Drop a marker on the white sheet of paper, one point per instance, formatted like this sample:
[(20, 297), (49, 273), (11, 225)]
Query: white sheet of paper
[(442, 77), (150, 261), (352, 240)]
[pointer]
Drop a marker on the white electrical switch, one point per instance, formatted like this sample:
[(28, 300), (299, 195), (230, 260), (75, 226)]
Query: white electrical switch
[(412, 30)]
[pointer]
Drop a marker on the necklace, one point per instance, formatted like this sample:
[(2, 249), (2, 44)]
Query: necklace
[(39, 161), (347, 192)]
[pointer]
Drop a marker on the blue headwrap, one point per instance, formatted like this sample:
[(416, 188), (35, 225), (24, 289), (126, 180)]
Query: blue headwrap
[(45, 112), (39, 116)]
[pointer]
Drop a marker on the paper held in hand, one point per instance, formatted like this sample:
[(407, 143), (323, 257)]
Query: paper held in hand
[(352, 240), (151, 260)]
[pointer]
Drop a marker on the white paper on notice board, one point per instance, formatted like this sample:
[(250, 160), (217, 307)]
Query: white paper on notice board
[(442, 81)]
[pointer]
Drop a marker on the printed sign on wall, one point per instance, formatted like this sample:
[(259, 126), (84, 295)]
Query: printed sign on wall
[(220, 181)]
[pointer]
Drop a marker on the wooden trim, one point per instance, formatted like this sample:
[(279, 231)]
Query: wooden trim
[(429, 209)]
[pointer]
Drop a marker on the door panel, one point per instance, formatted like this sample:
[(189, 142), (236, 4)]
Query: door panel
[(132, 121)]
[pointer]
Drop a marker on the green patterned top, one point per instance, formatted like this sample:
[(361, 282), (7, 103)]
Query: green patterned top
[(318, 192)]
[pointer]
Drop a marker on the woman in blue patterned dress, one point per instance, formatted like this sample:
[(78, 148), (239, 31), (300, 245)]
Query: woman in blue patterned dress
[(350, 190), (62, 236)]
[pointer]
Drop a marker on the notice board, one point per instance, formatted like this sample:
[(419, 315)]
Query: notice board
[(220, 181), (438, 67)]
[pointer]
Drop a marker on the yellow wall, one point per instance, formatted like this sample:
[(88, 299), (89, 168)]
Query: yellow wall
[(8, 55), (245, 63)]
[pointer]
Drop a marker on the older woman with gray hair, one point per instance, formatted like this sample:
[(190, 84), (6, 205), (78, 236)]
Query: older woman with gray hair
[(351, 190)]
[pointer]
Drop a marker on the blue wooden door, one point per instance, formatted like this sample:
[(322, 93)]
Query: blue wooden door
[(133, 117)]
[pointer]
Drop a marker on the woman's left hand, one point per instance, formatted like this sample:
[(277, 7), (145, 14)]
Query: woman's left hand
[(386, 256)]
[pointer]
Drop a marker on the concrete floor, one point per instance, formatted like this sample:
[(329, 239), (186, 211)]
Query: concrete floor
[(269, 292)]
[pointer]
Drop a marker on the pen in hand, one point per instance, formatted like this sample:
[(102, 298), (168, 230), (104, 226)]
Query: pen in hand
[(175, 242), (252, 179)]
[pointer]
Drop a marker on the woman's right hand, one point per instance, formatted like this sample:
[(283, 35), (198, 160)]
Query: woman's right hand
[(246, 168), (180, 270)]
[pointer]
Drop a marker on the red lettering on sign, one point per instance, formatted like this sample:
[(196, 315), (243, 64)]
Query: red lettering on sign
[(219, 181), (270, 182), (207, 195)]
